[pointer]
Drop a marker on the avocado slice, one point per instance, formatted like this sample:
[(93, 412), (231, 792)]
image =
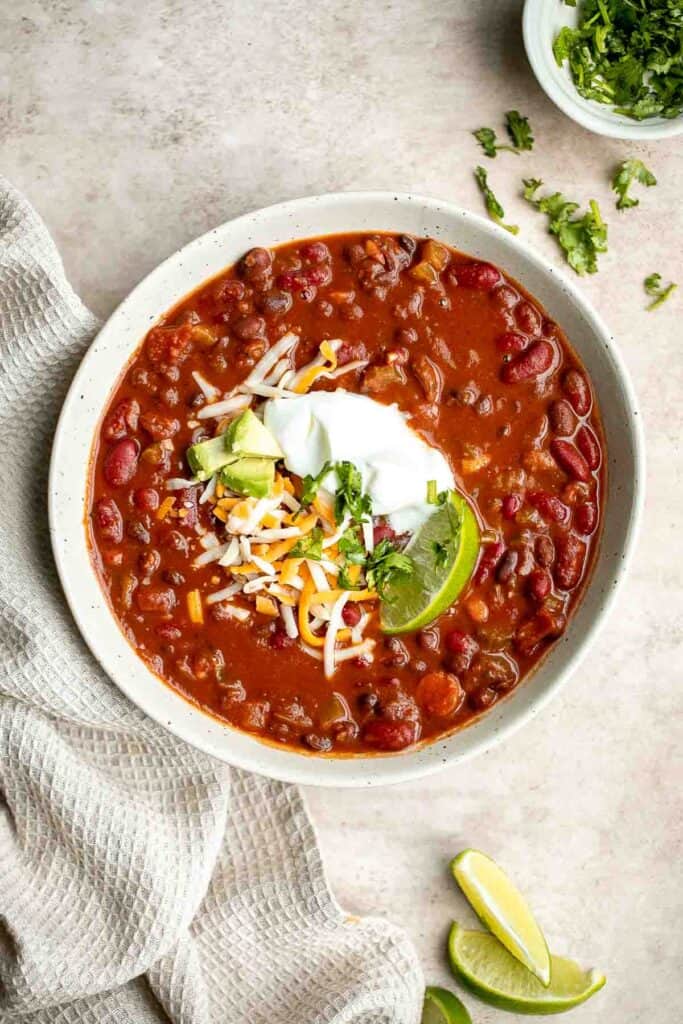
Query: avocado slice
[(247, 436), (207, 457), (253, 477)]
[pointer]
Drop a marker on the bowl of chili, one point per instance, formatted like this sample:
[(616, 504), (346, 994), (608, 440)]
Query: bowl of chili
[(407, 341)]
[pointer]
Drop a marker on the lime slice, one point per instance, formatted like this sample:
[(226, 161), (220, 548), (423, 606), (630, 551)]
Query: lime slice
[(484, 966), (444, 552), (442, 1007), (502, 908)]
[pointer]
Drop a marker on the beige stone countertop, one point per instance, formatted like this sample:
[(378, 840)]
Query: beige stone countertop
[(134, 127)]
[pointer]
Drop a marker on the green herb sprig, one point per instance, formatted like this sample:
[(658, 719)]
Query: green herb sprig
[(519, 130), (495, 210), (653, 287), (625, 175), (580, 238)]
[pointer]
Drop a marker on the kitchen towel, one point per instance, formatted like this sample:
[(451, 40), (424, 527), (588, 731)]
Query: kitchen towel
[(140, 880)]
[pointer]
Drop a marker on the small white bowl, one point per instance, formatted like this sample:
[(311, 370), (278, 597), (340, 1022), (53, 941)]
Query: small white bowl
[(207, 256), (541, 22)]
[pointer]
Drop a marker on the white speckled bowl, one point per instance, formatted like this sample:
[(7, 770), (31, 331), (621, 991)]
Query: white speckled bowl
[(205, 257), (541, 22)]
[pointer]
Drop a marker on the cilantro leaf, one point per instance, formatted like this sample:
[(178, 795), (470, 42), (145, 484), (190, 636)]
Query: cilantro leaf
[(385, 563), (351, 546), (312, 484), (627, 53), (628, 172), (495, 210), (519, 130), (487, 139), (653, 287), (349, 497), (441, 554), (580, 238), (310, 546)]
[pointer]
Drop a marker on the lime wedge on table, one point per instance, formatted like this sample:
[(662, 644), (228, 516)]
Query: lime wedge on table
[(484, 966), (501, 907), (442, 1007), (444, 552)]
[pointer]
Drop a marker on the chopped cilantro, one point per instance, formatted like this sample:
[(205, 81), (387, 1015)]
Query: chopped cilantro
[(312, 484), (581, 238), (628, 172), (495, 210), (653, 287), (384, 564), (519, 130), (310, 546), (351, 546), (441, 554), (349, 498), (627, 53), (487, 139)]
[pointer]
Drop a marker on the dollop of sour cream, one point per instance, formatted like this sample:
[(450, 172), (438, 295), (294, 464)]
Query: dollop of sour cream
[(395, 463)]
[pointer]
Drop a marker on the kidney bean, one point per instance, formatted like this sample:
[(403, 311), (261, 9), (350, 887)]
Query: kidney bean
[(156, 599), (528, 318), (587, 443), (586, 518), (507, 565), (462, 646), (561, 418), (109, 521), (387, 735), (576, 389), (146, 499), (279, 639), (112, 557), (544, 550), (167, 631), (249, 327), (571, 554), (255, 264), (275, 302), (122, 420), (428, 375), (121, 463), (137, 530), (570, 460), (488, 561), (187, 502), (315, 252), (511, 343), (352, 613), (511, 505), (550, 506), (148, 562), (481, 277), (539, 584), (175, 541), (504, 298), (440, 694), (533, 361), (483, 698), (543, 626), (158, 425), (382, 531), (128, 585)]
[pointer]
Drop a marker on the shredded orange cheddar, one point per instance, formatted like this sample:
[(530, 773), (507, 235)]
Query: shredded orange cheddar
[(194, 607), (266, 606), (165, 507)]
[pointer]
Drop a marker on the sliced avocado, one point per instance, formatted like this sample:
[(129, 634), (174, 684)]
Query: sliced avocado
[(254, 477), (207, 457), (248, 436)]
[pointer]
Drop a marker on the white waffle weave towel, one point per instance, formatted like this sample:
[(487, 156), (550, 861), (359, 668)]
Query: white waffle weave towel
[(140, 881)]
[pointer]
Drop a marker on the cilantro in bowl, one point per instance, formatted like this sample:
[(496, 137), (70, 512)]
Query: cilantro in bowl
[(627, 53)]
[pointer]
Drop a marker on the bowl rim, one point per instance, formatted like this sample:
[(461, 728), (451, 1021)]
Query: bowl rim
[(293, 766), (596, 117)]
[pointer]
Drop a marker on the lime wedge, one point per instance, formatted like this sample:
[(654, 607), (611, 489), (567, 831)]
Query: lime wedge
[(484, 966), (444, 552), (442, 1007), (502, 908)]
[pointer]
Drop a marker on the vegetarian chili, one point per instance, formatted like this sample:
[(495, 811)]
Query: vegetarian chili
[(227, 570)]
